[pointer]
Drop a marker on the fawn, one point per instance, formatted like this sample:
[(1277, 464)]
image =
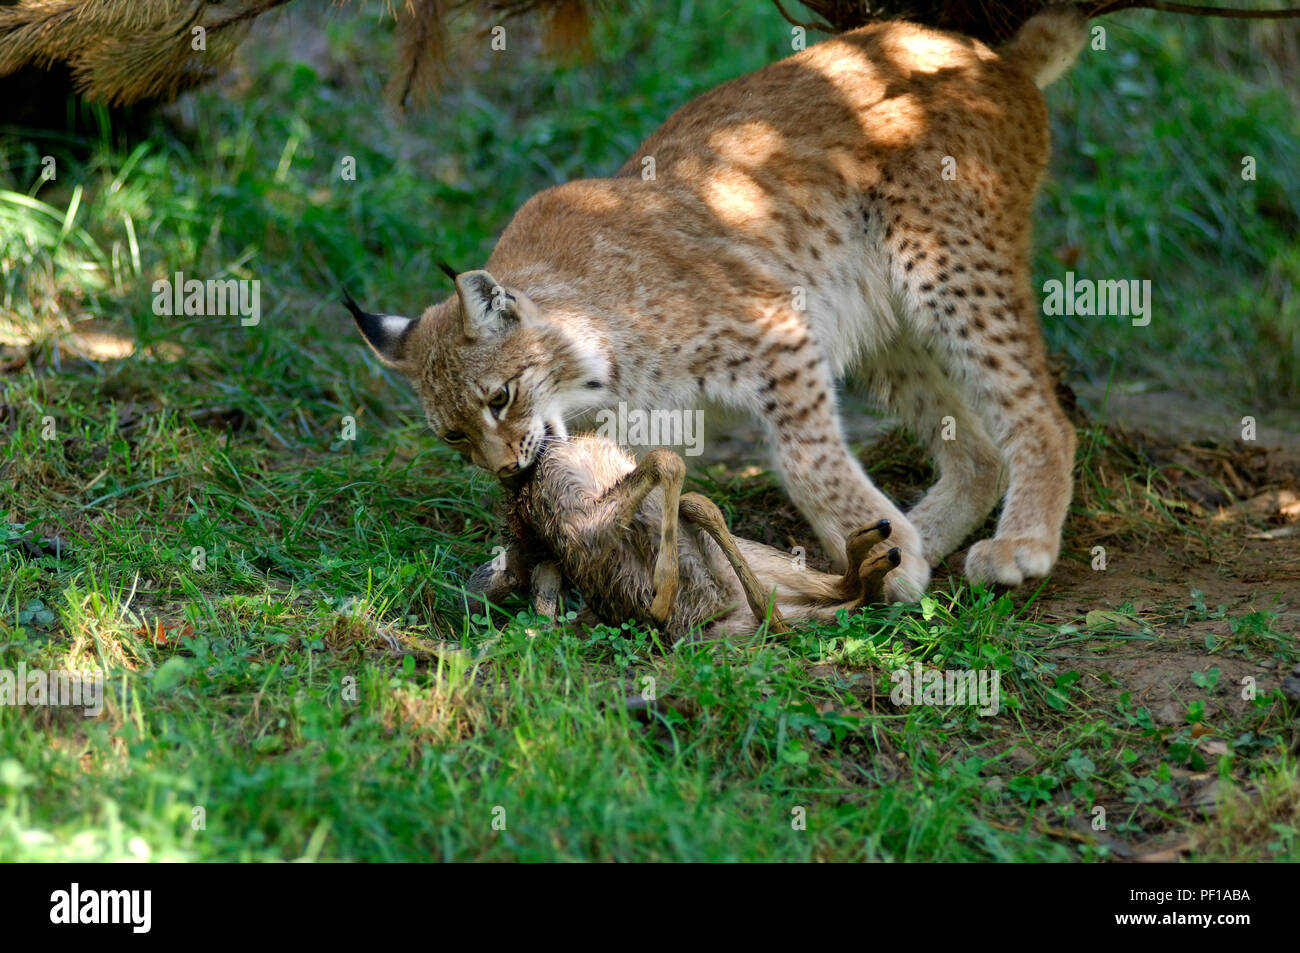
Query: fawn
[(586, 511)]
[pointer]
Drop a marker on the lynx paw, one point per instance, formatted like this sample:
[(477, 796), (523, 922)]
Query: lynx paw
[(1009, 562), (908, 582)]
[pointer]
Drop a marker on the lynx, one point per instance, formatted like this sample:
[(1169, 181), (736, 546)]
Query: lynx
[(594, 517), (861, 208)]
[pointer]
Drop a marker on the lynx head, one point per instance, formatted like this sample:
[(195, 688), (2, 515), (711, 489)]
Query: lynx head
[(496, 378)]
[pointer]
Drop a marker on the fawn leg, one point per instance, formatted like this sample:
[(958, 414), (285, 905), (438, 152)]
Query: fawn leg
[(663, 468), (492, 582), (871, 576), (701, 511), (546, 586), (859, 544)]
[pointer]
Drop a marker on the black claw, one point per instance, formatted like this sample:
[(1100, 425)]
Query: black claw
[(884, 528), (895, 555)]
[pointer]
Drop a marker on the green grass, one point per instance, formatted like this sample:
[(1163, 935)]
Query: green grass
[(318, 694), (1147, 183)]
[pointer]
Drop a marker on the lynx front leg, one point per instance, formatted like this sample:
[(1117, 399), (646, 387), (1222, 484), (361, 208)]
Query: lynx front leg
[(663, 468), (701, 511), (823, 478), (981, 312)]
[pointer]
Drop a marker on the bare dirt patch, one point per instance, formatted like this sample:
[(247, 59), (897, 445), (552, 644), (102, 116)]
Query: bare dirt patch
[(1251, 595)]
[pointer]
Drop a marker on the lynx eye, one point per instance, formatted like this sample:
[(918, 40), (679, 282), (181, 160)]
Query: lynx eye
[(500, 399), (455, 436)]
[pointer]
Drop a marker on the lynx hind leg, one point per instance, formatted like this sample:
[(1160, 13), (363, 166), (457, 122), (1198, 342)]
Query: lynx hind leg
[(970, 293), (660, 468), (913, 385), (700, 510), (1014, 390)]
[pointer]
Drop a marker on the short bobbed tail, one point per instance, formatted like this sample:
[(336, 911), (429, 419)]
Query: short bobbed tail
[(1048, 44)]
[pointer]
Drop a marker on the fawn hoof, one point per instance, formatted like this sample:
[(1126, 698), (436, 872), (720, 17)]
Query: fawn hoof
[(865, 538), (911, 573), (662, 607), (872, 574)]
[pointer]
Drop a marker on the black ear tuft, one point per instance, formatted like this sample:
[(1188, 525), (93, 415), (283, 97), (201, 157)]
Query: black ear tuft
[(384, 333), (447, 270), (348, 302)]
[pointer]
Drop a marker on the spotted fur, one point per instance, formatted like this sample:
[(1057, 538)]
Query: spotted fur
[(798, 226)]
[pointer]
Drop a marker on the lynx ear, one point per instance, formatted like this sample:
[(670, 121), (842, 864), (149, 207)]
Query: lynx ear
[(385, 333), (486, 307)]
